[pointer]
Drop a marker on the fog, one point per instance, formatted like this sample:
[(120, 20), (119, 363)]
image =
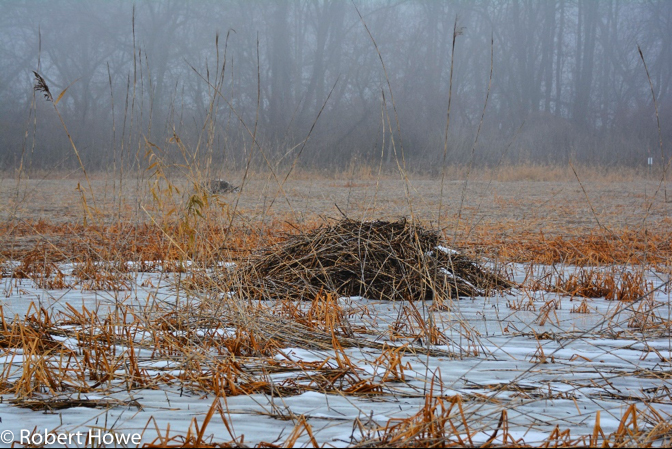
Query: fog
[(266, 83)]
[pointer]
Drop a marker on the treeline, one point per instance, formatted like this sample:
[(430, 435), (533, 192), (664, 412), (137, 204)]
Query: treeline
[(198, 81)]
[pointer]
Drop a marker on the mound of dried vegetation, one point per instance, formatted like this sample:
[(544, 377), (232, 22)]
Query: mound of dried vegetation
[(398, 260)]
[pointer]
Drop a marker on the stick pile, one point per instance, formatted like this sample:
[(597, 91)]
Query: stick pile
[(376, 259)]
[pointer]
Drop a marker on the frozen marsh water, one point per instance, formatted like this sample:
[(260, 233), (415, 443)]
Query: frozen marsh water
[(526, 352)]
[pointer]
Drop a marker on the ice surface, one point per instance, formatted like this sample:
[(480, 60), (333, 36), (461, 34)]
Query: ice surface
[(557, 371)]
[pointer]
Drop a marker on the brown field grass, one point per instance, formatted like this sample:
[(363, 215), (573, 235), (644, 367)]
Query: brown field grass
[(600, 221)]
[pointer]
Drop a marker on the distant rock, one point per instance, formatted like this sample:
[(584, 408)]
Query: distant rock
[(216, 186)]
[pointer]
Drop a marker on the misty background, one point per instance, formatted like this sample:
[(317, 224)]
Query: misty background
[(567, 82)]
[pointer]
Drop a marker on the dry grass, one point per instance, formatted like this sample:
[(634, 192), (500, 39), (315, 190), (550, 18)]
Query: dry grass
[(41, 241), (611, 283), (225, 345), (53, 375), (525, 172), (592, 249)]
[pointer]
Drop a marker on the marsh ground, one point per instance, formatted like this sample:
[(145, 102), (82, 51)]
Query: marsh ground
[(549, 206), (131, 328)]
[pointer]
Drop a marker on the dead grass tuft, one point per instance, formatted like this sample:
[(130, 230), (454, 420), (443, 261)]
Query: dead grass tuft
[(614, 284)]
